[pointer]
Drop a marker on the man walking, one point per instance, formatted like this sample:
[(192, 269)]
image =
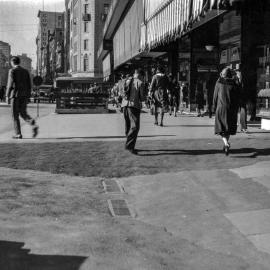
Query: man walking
[(134, 94), (18, 92)]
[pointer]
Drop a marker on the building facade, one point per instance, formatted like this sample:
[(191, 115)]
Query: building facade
[(84, 28), (5, 51), (26, 62), (50, 44), (194, 40)]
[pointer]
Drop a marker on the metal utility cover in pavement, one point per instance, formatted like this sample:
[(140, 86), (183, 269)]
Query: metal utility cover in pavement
[(112, 186), (119, 208)]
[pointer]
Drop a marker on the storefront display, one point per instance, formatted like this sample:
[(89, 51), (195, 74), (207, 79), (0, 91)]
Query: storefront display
[(263, 81), (81, 96)]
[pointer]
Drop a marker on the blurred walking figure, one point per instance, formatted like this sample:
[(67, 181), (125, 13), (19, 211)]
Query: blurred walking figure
[(134, 94), (199, 96), (19, 92), (210, 86), (158, 90), (2, 93), (174, 95), (185, 94), (243, 101), (225, 104)]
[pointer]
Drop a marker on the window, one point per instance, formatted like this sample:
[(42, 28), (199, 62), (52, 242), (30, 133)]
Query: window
[(86, 8), (86, 27), (85, 63), (106, 9), (75, 62), (85, 44)]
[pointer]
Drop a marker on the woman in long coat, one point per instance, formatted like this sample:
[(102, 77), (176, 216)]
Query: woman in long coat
[(226, 104), (158, 91)]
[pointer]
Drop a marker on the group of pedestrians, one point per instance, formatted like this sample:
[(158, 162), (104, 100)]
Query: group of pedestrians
[(225, 103)]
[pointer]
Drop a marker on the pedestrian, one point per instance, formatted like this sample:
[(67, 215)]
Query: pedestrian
[(185, 94), (2, 93), (225, 105), (199, 97), (133, 96), (243, 101), (173, 95), (19, 92), (210, 86), (158, 90)]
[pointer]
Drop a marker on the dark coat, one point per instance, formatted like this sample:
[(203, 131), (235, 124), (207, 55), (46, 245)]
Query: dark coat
[(226, 104), (158, 90), (19, 83), (199, 95)]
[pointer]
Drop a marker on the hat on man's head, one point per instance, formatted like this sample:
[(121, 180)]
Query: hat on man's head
[(237, 67)]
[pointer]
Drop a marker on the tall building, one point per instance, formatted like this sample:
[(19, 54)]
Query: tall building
[(5, 48), (50, 37), (4, 62), (26, 62), (85, 29)]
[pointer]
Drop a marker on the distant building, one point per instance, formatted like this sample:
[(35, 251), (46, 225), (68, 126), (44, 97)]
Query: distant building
[(4, 62), (5, 48), (84, 31), (26, 62), (50, 42)]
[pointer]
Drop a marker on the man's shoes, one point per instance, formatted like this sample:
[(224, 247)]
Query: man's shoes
[(156, 123), (19, 136), (35, 131), (132, 151), (161, 124)]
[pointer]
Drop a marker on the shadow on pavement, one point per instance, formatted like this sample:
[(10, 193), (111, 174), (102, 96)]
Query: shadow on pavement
[(101, 137), (188, 125), (14, 257), (244, 152)]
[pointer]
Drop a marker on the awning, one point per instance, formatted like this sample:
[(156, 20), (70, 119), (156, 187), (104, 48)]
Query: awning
[(174, 18)]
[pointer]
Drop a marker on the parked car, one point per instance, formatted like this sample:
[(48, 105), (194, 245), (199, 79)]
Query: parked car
[(44, 93)]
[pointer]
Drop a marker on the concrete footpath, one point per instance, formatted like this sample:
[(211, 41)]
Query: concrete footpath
[(191, 219), (78, 127)]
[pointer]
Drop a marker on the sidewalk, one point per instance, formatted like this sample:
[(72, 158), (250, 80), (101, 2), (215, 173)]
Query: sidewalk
[(180, 204), (101, 127)]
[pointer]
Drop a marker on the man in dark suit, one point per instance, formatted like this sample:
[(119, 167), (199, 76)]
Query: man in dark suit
[(19, 92), (134, 94)]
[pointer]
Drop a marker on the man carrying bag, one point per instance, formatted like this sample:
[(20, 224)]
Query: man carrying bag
[(134, 94)]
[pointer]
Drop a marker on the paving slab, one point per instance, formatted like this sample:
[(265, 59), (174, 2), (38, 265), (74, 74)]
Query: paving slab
[(260, 169), (261, 242), (251, 222)]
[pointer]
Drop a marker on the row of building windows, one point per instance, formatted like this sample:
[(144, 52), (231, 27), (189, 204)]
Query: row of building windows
[(85, 63), (85, 45)]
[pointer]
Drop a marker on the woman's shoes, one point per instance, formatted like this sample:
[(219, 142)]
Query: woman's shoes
[(226, 149), (156, 123), (161, 124)]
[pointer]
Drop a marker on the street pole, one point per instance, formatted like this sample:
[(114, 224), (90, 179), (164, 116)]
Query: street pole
[(38, 104)]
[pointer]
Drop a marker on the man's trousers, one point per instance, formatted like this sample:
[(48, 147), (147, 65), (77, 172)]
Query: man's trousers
[(19, 108), (132, 125)]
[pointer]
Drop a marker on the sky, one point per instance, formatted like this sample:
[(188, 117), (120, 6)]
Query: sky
[(19, 23)]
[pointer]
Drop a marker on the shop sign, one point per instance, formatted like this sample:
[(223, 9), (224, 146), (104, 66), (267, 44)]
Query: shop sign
[(224, 57), (234, 54), (183, 55)]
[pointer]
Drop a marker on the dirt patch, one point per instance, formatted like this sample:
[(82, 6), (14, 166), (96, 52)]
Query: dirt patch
[(109, 159)]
